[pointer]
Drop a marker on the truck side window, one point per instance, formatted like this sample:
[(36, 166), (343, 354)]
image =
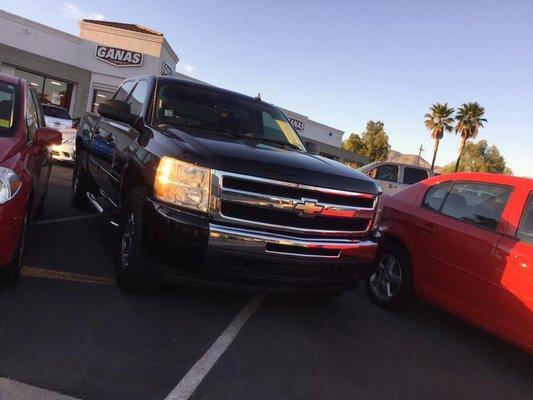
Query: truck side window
[(32, 117), (525, 230), (138, 97), (123, 91), (477, 203), (414, 175), (387, 173), (435, 196)]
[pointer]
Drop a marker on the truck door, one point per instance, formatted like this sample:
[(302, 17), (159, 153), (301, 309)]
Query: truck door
[(102, 160), (387, 177), (510, 294)]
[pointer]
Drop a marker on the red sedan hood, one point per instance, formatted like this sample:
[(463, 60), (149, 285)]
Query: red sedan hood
[(8, 148)]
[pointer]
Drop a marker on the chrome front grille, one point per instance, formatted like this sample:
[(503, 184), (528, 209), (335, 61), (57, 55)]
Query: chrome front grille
[(260, 203)]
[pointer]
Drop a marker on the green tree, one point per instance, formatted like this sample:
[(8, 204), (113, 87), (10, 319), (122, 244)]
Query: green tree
[(373, 142), (469, 120), (438, 120), (480, 157), (354, 143)]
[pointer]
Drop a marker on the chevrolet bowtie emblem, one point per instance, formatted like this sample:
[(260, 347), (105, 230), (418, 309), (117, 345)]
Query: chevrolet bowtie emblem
[(308, 208)]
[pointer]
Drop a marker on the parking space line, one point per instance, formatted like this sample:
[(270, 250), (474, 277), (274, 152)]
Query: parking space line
[(51, 221), (10, 390), (33, 272), (199, 371)]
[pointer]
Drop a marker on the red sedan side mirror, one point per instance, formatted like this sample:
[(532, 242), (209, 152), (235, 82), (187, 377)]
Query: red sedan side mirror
[(47, 137)]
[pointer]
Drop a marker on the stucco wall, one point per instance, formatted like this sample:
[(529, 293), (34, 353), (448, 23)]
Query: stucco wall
[(81, 78)]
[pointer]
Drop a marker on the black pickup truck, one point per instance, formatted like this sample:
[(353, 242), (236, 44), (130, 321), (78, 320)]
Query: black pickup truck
[(208, 186)]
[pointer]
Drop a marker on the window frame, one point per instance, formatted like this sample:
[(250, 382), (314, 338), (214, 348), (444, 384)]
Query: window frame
[(30, 97), (40, 94), (529, 199), (388, 165), (19, 104), (454, 182), (134, 81), (146, 99), (416, 169)]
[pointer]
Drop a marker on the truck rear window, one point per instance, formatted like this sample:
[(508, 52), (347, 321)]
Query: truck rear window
[(414, 175), (8, 108)]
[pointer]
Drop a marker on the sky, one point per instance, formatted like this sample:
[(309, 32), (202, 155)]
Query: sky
[(343, 63)]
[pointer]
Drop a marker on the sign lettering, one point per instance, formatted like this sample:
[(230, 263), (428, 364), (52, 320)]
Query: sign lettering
[(119, 57), (297, 124)]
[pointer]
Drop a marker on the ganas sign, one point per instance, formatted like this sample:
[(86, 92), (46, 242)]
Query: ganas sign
[(119, 57)]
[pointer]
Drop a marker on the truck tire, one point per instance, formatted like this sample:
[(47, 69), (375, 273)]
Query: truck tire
[(391, 285), (131, 271), (80, 187), (42, 204), (10, 273)]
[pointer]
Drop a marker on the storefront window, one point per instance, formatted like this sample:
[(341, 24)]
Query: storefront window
[(98, 97), (50, 90)]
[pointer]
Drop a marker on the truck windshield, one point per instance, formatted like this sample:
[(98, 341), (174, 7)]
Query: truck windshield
[(8, 109), (201, 109)]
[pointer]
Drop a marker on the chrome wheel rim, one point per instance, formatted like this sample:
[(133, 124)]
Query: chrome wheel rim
[(387, 279), (76, 181), (127, 240)]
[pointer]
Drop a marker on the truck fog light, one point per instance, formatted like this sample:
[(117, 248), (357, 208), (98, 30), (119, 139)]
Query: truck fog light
[(183, 184)]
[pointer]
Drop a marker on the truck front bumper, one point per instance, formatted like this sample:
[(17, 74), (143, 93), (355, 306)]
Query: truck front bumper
[(190, 249)]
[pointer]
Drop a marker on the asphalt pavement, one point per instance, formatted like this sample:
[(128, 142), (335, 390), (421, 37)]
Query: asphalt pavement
[(67, 328)]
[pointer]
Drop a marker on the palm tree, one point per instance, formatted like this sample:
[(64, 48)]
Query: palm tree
[(469, 120), (439, 120)]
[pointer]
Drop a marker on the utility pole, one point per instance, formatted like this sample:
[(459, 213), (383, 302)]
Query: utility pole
[(420, 150)]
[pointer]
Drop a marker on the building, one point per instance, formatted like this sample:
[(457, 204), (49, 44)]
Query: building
[(78, 72), (327, 138)]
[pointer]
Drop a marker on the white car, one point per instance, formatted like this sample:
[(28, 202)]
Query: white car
[(66, 150), (57, 117), (393, 177)]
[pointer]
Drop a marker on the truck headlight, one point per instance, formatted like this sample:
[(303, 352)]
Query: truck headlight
[(10, 184), (183, 184)]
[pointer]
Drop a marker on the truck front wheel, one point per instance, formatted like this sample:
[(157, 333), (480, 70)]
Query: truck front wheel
[(130, 268)]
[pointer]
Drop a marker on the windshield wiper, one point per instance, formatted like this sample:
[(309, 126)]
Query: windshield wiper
[(262, 139)]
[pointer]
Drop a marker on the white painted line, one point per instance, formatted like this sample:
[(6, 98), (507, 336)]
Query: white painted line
[(198, 372), (13, 390), (52, 221)]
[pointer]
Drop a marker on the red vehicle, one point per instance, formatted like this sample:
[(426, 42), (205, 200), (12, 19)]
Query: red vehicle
[(464, 242), (25, 164)]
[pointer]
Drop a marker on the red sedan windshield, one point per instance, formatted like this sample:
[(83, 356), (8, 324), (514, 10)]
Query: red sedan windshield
[(8, 108)]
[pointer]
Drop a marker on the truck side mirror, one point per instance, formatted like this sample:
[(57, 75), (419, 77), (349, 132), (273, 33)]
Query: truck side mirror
[(117, 110), (312, 148)]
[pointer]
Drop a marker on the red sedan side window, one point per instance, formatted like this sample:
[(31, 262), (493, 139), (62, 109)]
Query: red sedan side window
[(525, 230), (477, 203), (435, 196)]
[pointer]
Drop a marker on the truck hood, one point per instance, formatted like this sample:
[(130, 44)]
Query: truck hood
[(250, 157)]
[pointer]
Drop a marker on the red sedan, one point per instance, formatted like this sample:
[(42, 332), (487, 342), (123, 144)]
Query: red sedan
[(25, 163), (464, 242)]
